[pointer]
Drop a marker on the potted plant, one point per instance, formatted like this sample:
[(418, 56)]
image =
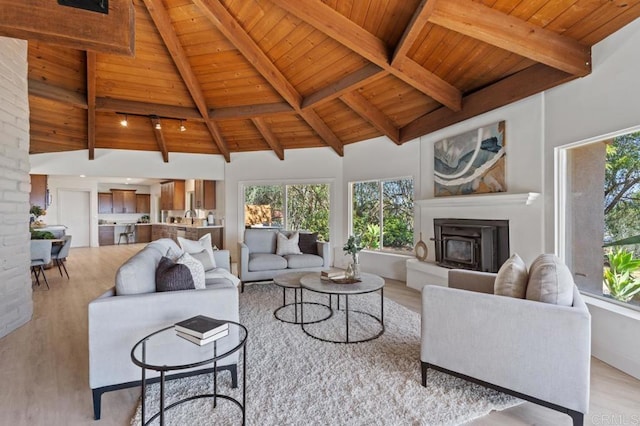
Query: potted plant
[(353, 247), (35, 212)]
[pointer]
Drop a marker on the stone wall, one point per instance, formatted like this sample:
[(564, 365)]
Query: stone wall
[(16, 306)]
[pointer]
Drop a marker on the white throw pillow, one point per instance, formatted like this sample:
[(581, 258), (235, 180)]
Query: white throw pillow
[(512, 278), (196, 268), (289, 245), (198, 248), (550, 281)]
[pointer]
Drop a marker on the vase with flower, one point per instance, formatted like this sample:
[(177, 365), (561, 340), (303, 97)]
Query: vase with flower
[(353, 247)]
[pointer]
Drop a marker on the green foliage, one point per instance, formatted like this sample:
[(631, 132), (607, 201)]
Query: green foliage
[(618, 276), (353, 246), (41, 235), (398, 233), (37, 211), (371, 237)]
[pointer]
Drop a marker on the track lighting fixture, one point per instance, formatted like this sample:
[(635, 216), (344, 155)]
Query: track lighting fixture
[(182, 126), (158, 125), (124, 122)]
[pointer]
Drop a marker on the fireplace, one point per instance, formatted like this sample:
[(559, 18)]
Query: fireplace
[(476, 244)]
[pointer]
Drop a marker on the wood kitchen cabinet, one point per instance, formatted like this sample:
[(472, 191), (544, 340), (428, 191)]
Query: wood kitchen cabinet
[(124, 200), (143, 203), (172, 195), (105, 202), (204, 196), (143, 233), (38, 195), (106, 235)]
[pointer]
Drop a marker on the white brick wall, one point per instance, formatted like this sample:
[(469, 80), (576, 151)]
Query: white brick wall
[(16, 306)]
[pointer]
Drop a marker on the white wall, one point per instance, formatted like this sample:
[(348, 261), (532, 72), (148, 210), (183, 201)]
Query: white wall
[(58, 183)]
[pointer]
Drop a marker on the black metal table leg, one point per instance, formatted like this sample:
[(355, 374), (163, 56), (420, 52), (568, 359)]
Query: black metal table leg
[(162, 398)]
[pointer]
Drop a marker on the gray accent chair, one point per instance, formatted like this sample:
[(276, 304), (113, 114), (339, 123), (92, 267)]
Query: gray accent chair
[(133, 309), (59, 254), (539, 352), (259, 261), (40, 256)]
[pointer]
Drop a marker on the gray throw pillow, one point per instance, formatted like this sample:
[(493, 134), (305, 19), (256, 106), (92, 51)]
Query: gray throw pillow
[(512, 278), (550, 281), (288, 245), (308, 243), (171, 276)]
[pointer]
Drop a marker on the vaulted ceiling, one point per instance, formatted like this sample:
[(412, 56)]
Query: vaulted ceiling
[(249, 75)]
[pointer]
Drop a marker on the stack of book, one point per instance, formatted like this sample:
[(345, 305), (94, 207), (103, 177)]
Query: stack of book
[(331, 275), (201, 329)]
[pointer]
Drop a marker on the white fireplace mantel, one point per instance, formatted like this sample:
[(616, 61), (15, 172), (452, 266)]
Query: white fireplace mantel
[(496, 199)]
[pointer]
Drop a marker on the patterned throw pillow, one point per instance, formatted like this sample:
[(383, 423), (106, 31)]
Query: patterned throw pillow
[(308, 243), (289, 245), (196, 268), (200, 249), (171, 276)]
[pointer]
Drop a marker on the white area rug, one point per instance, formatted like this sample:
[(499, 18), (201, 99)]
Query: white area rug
[(293, 379)]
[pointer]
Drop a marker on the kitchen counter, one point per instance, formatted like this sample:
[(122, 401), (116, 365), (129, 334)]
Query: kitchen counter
[(188, 225)]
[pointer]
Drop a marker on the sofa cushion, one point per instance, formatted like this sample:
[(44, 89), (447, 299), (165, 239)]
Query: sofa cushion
[(300, 261), (172, 276), (308, 242), (260, 240), (201, 250), (512, 278), (288, 244), (266, 262), (138, 274), (165, 247), (550, 281), (195, 267)]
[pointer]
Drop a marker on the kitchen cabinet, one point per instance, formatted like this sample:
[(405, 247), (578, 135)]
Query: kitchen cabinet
[(38, 194), (172, 195), (143, 203), (106, 235), (204, 196), (124, 200), (192, 233), (105, 202), (143, 233)]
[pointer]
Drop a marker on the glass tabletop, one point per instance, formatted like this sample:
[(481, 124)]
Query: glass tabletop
[(164, 350)]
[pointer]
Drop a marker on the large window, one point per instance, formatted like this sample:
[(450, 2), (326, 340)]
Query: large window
[(291, 207), (382, 214)]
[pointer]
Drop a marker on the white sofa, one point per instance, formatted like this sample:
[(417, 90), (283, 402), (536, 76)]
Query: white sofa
[(117, 322), (536, 351)]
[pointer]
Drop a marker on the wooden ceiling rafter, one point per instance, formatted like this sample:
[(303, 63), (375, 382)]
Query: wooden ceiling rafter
[(91, 104), (248, 111), (157, 131), (146, 108), (163, 24), (510, 33), (269, 136), (233, 31), (373, 115), (351, 35)]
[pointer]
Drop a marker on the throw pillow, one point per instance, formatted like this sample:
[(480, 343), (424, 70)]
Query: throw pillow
[(288, 245), (171, 276), (308, 243), (550, 281), (196, 268), (512, 278), (196, 248)]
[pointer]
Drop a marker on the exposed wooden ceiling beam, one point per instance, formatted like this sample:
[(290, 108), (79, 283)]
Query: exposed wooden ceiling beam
[(249, 111), (321, 128), (351, 35), (162, 145), (268, 136), (513, 34), (232, 30), (91, 104), (163, 24), (413, 29), (40, 89), (144, 108), (348, 83), (527, 82), (373, 115)]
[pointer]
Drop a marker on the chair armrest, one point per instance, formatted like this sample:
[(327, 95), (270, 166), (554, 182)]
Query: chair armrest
[(539, 349), (324, 250), (481, 282), (243, 260), (223, 259)]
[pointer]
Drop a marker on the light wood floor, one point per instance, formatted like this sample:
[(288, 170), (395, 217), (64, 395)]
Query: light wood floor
[(44, 364)]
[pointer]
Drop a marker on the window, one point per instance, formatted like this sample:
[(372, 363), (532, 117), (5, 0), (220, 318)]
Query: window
[(382, 214), (291, 207), (602, 217)]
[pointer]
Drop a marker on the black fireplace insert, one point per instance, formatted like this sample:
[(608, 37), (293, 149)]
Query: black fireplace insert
[(476, 244)]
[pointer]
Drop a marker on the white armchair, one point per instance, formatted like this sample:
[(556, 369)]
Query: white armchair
[(535, 351)]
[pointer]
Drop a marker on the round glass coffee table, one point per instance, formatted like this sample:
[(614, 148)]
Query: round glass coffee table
[(164, 351), (291, 281), (369, 283)]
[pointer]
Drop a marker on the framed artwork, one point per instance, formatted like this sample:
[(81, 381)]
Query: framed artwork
[(471, 163)]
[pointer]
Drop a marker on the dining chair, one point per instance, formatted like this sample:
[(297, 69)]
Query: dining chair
[(40, 256), (129, 231), (59, 254)]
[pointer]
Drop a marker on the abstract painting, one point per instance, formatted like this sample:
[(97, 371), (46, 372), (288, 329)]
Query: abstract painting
[(471, 163)]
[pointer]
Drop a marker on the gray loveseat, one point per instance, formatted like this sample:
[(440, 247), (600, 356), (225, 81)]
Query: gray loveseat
[(133, 309), (259, 261)]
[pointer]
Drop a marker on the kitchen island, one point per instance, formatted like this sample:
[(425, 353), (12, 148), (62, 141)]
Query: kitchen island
[(146, 232)]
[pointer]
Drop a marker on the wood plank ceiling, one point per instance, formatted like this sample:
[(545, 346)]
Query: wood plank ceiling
[(249, 75)]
